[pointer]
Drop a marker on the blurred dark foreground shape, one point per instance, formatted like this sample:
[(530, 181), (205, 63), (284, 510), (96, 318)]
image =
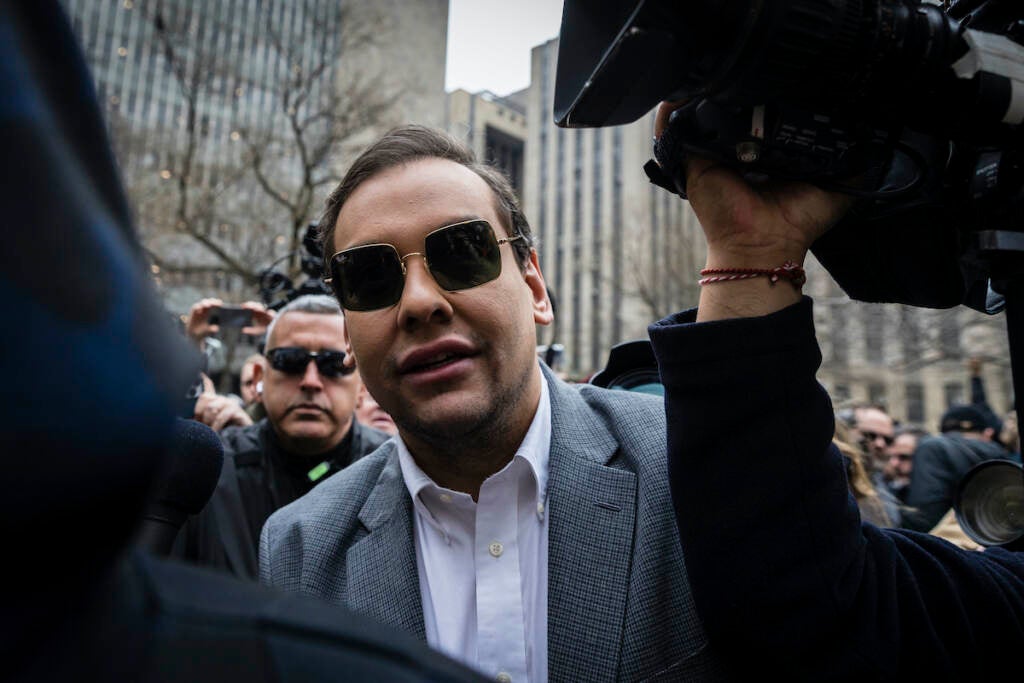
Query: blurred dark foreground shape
[(95, 376)]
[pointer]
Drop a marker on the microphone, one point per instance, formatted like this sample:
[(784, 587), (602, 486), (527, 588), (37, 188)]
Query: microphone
[(191, 469)]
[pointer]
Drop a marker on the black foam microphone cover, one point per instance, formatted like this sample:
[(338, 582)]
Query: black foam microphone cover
[(191, 469)]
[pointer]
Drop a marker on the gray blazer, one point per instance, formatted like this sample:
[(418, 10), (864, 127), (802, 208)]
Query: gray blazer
[(619, 603)]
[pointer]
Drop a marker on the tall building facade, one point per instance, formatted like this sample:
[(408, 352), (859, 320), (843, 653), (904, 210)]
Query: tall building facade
[(617, 251), (494, 127), (913, 361), (232, 120)]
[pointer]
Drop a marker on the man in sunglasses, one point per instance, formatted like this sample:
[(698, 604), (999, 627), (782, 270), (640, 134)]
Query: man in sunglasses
[(517, 523), (309, 433)]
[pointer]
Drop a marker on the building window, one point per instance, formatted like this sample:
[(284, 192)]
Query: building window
[(876, 394), (949, 334), (954, 393), (910, 333), (840, 342), (915, 402), (874, 333)]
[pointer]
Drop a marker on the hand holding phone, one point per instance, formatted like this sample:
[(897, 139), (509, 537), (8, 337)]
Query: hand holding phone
[(230, 316)]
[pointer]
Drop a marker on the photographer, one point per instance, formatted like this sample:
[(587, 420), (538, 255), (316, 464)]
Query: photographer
[(203, 319), (785, 576)]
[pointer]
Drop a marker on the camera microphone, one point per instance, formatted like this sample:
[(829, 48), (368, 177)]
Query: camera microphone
[(191, 469)]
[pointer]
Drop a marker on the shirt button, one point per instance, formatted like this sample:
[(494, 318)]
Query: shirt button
[(503, 678), (445, 498), (496, 549)]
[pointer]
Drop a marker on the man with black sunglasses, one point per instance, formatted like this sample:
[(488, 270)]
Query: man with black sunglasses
[(309, 433), (517, 523)]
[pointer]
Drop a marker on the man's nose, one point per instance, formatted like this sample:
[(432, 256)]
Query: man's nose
[(311, 377), (422, 298)]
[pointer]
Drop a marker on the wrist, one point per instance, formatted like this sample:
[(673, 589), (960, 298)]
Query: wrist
[(746, 255)]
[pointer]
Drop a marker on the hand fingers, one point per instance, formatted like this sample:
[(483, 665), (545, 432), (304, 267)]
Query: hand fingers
[(203, 306), (228, 413), (661, 118), (208, 387)]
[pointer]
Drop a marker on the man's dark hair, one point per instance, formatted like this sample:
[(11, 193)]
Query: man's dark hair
[(410, 143)]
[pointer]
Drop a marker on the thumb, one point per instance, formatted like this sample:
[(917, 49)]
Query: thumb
[(208, 387)]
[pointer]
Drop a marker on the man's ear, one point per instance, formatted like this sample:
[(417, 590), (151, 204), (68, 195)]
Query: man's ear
[(350, 357), (543, 311), (257, 375)]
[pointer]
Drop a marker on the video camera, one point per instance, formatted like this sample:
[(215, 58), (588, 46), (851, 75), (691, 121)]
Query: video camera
[(911, 106), (277, 288)]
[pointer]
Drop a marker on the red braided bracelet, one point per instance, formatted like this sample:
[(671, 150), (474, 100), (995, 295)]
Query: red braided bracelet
[(787, 271)]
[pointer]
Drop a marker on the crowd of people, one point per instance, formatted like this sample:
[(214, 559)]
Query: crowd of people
[(526, 528), (905, 475)]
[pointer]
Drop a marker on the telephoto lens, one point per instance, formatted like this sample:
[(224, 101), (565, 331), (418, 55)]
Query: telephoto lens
[(990, 503)]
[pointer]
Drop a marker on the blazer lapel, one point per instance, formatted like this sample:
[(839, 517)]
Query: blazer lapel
[(592, 511), (382, 576)]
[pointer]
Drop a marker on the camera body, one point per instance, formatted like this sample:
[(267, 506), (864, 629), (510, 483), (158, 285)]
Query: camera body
[(913, 107), (277, 288)]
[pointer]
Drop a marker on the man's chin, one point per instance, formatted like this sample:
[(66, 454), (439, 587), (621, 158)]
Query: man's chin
[(307, 436), (450, 419)]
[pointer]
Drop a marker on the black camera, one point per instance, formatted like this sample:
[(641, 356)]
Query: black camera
[(912, 106), (277, 288)]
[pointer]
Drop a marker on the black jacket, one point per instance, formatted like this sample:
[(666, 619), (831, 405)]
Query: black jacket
[(259, 477), (785, 576), (939, 463)]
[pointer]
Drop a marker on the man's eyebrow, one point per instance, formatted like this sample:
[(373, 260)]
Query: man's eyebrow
[(443, 224)]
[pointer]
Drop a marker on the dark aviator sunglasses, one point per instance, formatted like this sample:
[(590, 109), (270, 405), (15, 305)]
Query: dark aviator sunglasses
[(459, 256), (293, 360)]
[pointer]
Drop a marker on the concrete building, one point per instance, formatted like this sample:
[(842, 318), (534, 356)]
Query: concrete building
[(202, 95), (911, 360), (617, 251), (494, 126)]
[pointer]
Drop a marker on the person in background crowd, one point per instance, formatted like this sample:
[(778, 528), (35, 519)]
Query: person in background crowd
[(219, 411), (1010, 436), (310, 433), (247, 380), (873, 430), (900, 463), (979, 398), (872, 507), (199, 327), (252, 391), (369, 412), (965, 439), (517, 523)]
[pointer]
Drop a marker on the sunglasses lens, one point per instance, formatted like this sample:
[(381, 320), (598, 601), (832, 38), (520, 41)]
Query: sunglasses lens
[(289, 360), (294, 360), (464, 255), (330, 364), (367, 278)]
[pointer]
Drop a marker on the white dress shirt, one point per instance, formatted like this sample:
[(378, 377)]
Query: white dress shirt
[(483, 566)]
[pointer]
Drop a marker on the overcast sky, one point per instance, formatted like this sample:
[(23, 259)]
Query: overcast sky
[(489, 42)]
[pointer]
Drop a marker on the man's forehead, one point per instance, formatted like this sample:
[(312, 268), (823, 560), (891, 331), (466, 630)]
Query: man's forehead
[(413, 199), (299, 324), (873, 418)]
